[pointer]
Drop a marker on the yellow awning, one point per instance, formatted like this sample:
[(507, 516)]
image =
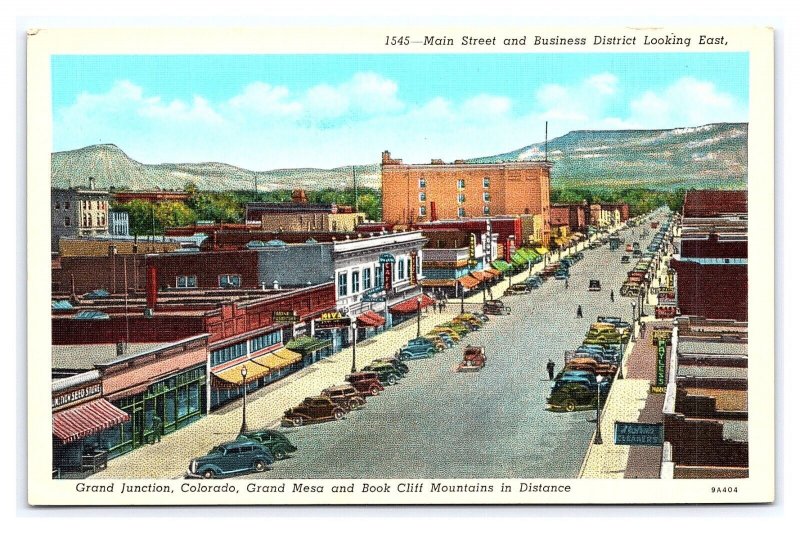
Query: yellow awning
[(543, 251), (259, 366)]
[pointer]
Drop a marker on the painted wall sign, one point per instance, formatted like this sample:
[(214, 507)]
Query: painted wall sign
[(637, 434), (285, 317), (77, 395)]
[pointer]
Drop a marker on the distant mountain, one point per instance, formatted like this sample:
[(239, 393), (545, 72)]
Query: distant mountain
[(111, 167), (714, 156)]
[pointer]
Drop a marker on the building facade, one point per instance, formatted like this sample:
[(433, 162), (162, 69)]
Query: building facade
[(421, 193), (78, 211), (119, 223)]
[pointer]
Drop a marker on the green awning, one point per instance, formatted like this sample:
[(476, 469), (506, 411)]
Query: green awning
[(518, 259), (527, 253), (501, 265), (306, 345)]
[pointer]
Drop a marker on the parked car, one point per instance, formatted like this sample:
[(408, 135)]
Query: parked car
[(471, 324), (516, 289), (469, 318), (345, 395), (589, 364), (311, 410), (231, 458), (480, 316), (438, 342), (496, 307), (275, 441), (462, 329), (401, 367), (600, 357), (580, 377), (387, 374), (366, 383), (594, 285), (417, 349), (561, 274), (453, 334), (448, 341), (572, 396), (625, 259), (534, 282), (615, 320), (579, 255)]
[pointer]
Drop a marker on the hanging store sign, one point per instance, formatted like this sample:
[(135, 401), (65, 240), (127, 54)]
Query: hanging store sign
[(660, 386), (386, 259), (472, 261), (387, 277), (637, 434), (412, 268), (285, 317)]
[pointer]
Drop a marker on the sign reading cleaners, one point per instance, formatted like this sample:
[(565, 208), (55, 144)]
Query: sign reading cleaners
[(636, 434)]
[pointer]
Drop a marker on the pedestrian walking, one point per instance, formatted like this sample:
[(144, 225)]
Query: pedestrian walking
[(580, 312), (551, 368), (442, 306), (612, 296), (566, 283)]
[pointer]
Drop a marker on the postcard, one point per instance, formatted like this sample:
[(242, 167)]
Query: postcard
[(400, 265)]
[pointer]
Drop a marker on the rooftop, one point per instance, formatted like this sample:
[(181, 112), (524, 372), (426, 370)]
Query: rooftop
[(714, 203)]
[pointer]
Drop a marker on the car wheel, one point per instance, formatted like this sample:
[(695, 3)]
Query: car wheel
[(429, 353), (338, 414), (279, 454), (354, 404), (391, 379), (208, 474), (374, 390), (259, 466), (569, 405), (297, 421)]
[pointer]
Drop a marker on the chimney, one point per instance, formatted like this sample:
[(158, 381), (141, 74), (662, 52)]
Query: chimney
[(434, 218), (91, 183), (151, 287)]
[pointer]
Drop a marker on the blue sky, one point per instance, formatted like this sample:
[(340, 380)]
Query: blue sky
[(277, 111)]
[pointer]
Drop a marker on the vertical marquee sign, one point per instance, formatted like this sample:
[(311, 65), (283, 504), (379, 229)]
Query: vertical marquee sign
[(472, 261), (387, 260), (412, 270), (660, 386)]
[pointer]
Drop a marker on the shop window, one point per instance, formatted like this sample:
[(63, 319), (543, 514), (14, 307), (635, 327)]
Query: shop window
[(183, 402), (342, 284), (169, 408), (194, 396), (186, 282), (230, 281), (269, 339), (356, 284)]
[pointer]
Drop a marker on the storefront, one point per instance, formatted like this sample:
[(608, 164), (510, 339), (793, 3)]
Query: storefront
[(311, 349), (80, 414), (409, 309)]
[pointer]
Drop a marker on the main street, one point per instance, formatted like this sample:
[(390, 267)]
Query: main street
[(441, 424)]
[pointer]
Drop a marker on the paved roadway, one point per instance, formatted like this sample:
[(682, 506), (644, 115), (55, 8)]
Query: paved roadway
[(437, 423)]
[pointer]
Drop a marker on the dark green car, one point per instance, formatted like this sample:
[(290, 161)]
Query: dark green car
[(275, 441), (387, 374)]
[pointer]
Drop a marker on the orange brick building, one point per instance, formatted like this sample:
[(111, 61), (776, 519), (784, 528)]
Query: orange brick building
[(423, 193)]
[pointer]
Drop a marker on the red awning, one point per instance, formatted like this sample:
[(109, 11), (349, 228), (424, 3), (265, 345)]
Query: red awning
[(86, 419), (468, 282), (481, 275), (410, 305), (370, 319), (494, 272)]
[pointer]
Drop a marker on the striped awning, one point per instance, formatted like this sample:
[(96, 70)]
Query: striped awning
[(410, 305), (370, 319), (87, 419), (259, 366)]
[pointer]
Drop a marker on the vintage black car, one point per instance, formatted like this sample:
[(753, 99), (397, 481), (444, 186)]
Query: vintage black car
[(387, 373), (231, 458), (275, 441), (496, 307)]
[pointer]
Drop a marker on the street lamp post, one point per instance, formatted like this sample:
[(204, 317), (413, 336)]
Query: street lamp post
[(633, 319), (354, 328), (598, 438), (460, 286), (419, 315), (244, 401)]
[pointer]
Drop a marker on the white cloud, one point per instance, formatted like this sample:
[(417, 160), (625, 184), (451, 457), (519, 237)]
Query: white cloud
[(687, 102), (603, 83), (264, 99), (487, 106)]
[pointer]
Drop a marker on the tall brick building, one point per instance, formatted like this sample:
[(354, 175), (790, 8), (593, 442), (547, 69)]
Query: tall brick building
[(422, 193)]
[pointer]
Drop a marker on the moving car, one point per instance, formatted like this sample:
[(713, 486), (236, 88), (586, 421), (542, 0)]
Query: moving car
[(561, 274), (345, 395), (311, 410), (474, 359), (275, 441), (496, 307), (594, 285), (387, 374), (230, 458), (366, 383)]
